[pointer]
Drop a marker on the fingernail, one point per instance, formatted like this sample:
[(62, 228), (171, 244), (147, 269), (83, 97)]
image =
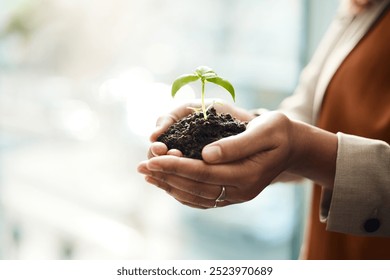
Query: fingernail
[(152, 166), (150, 180), (143, 170), (211, 153)]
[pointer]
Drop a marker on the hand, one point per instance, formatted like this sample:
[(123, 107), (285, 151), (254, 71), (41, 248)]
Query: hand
[(246, 163), (164, 122)]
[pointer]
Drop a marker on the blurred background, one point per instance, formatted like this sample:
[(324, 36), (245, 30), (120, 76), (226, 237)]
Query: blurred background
[(81, 85)]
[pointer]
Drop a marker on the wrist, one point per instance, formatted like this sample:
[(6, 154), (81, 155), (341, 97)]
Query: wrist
[(314, 153)]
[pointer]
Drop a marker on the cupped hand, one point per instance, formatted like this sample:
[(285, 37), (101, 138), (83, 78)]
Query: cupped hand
[(243, 164), (165, 121)]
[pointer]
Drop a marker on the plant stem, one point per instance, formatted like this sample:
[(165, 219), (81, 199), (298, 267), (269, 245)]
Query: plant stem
[(202, 97)]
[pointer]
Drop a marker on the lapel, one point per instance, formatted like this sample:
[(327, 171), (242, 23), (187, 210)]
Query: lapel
[(345, 33)]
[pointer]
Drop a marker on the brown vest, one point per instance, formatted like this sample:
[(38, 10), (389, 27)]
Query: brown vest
[(357, 101)]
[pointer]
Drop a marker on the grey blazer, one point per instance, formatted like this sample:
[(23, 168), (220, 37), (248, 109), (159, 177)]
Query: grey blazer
[(363, 165)]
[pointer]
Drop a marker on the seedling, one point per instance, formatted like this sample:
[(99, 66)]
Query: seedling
[(202, 73)]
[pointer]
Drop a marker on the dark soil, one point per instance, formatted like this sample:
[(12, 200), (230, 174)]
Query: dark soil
[(192, 133)]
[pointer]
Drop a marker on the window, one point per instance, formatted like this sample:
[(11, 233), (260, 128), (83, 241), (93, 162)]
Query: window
[(81, 85)]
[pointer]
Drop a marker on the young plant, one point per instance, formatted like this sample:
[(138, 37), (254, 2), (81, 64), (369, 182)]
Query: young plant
[(204, 74)]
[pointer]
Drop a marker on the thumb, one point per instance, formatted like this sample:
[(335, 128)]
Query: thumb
[(162, 125), (240, 146), (229, 149)]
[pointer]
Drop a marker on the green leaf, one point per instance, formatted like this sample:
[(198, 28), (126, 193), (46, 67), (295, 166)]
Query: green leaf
[(182, 81), (208, 75), (223, 83), (204, 71)]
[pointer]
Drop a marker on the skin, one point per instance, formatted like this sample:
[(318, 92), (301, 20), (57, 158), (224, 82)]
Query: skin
[(272, 146), (358, 6)]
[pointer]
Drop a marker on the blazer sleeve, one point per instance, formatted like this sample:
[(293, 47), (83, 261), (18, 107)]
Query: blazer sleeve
[(360, 202)]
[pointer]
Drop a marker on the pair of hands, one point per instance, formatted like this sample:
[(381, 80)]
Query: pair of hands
[(244, 164)]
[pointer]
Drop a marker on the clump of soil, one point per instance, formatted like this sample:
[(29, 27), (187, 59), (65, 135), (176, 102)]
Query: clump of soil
[(192, 133)]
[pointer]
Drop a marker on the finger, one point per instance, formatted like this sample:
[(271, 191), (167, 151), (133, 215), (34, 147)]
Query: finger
[(164, 122), (256, 138), (184, 197), (199, 171), (175, 152), (142, 168), (157, 149), (169, 188), (238, 113), (193, 205), (215, 205), (207, 191), (247, 183)]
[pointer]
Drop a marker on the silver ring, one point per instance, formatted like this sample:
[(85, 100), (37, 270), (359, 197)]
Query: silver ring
[(221, 196)]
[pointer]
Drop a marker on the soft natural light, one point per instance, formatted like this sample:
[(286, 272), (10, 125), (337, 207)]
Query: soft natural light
[(145, 98), (78, 120), (82, 84)]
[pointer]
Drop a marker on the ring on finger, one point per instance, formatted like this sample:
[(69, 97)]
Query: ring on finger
[(221, 196)]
